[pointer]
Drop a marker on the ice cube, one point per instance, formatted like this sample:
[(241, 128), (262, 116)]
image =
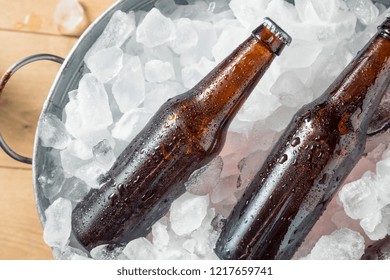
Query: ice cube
[(207, 37), (301, 54), (80, 149), (58, 223), (365, 10), (69, 253), (106, 63), (117, 31), (290, 90), (71, 163), (70, 17), (130, 124), (159, 93), (159, 71), (155, 29), (259, 106), (52, 132), (89, 109), (186, 36), (129, 87), (140, 249), (90, 173), (249, 166), (106, 252), (223, 193), (202, 181), (383, 168), (192, 74), (104, 155), (280, 118), (342, 244), (187, 213), (74, 189), (160, 234), (359, 198), (52, 175), (230, 38), (372, 221), (166, 7), (249, 12)]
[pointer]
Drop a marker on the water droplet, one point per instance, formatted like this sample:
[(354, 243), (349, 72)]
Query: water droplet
[(283, 158), (296, 141)]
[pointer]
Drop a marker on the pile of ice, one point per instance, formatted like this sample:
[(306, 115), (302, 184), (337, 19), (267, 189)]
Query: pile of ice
[(144, 58)]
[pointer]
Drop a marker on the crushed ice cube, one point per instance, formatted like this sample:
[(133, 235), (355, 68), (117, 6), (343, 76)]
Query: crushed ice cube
[(249, 12), (69, 253), (140, 249), (118, 30), (103, 154), (106, 252), (342, 244), (290, 90), (186, 36), (192, 74), (70, 17), (159, 93), (158, 71), (52, 175), (130, 124), (106, 63), (74, 189), (207, 37), (155, 29), (58, 223), (129, 88), (359, 198), (52, 132), (160, 234), (88, 110), (365, 10), (202, 181), (187, 213)]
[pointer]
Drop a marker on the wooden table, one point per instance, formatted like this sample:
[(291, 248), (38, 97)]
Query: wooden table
[(27, 27)]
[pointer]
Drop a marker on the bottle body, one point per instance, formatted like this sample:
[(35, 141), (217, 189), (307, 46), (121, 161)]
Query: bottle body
[(380, 250), (184, 134), (316, 152)]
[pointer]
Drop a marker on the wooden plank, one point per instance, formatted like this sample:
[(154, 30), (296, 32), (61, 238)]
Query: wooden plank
[(21, 234), (24, 95), (38, 16)]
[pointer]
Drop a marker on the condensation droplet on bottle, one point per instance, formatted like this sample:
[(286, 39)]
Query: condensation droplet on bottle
[(296, 141), (283, 158)]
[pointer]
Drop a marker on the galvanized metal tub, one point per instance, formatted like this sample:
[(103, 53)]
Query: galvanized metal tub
[(68, 79)]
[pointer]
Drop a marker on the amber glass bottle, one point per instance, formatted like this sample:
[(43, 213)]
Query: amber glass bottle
[(185, 134), (320, 146), (380, 250)]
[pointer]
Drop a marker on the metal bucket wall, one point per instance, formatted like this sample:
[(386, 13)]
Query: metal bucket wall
[(68, 79)]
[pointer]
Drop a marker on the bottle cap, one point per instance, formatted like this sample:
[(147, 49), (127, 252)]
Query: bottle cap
[(277, 31)]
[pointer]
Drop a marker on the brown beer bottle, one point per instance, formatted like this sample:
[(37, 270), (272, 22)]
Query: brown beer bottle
[(185, 134), (318, 149), (380, 250)]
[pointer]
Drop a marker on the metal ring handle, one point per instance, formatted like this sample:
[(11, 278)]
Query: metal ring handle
[(4, 80)]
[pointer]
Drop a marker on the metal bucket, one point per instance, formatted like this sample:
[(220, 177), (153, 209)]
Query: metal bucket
[(68, 79)]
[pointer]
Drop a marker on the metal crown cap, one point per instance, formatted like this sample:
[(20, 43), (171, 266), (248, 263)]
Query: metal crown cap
[(277, 31)]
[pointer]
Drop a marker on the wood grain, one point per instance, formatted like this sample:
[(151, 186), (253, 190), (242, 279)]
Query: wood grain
[(26, 28), (22, 15), (20, 228)]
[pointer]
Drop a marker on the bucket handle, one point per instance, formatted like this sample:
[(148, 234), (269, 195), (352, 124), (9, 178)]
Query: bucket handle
[(4, 80)]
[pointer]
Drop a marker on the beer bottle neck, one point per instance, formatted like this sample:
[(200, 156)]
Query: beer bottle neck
[(363, 82), (222, 92)]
